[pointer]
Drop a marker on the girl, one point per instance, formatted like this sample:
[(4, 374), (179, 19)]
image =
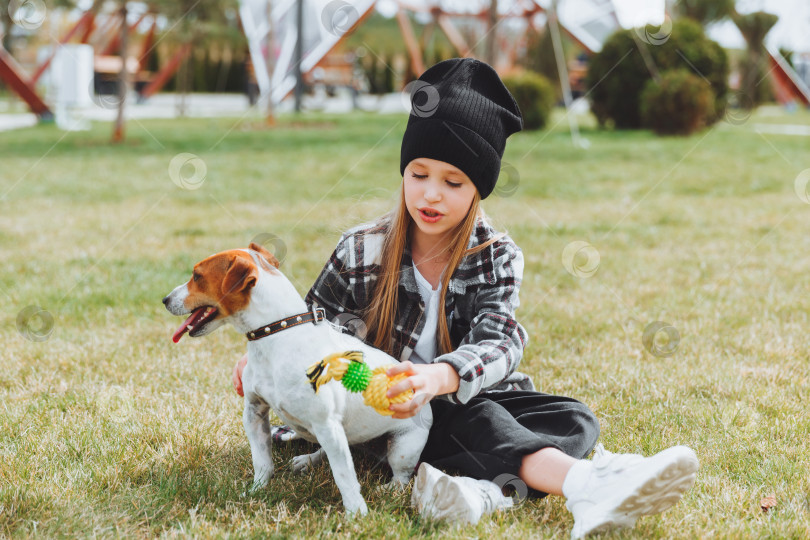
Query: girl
[(437, 288)]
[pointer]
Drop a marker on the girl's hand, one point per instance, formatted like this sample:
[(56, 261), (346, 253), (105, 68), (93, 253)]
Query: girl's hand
[(426, 381), (237, 375)]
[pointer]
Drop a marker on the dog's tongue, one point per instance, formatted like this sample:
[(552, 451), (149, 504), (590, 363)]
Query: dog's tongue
[(192, 320)]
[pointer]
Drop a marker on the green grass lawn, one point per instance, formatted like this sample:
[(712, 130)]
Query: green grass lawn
[(110, 429)]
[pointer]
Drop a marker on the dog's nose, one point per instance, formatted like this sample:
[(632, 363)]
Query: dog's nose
[(165, 300)]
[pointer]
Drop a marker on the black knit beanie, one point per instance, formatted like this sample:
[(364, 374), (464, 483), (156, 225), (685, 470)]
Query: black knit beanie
[(461, 113)]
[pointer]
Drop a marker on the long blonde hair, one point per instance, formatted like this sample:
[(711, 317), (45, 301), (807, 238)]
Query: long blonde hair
[(380, 315)]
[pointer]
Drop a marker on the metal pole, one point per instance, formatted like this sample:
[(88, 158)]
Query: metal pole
[(299, 54), (271, 61), (562, 69)]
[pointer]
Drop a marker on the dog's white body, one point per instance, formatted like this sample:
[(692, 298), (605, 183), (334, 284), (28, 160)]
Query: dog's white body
[(275, 376)]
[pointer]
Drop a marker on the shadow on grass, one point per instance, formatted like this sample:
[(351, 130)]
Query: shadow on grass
[(208, 479)]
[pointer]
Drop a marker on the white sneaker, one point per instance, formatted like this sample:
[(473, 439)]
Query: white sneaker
[(455, 499), (423, 486), (614, 490)]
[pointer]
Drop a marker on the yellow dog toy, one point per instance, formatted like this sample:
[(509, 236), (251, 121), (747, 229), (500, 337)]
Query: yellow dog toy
[(351, 370)]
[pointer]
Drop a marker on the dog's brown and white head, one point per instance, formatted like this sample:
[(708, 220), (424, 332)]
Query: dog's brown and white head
[(219, 287)]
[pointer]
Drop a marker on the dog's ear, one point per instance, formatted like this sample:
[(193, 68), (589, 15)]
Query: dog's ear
[(269, 257), (241, 276)]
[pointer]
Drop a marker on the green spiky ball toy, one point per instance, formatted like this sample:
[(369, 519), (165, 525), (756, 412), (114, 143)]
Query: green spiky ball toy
[(357, 377)]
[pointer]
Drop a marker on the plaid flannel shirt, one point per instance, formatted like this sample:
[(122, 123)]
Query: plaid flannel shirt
[(480, 306)]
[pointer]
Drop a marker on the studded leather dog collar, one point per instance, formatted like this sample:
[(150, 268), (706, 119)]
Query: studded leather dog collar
[(315, 316)]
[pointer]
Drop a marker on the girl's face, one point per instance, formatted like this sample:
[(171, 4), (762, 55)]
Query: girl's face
[(437, 195)]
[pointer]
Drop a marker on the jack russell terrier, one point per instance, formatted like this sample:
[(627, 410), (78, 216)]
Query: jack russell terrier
[(244, 287)]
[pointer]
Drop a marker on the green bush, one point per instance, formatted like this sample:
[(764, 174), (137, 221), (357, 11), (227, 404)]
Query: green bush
[(617, 75), (540, 57), (534, 95), (680, 104)]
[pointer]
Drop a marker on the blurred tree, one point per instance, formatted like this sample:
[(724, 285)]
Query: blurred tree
[(202, 23), (704, 11), (534, 95), (492, 30), (5, 26), (787, 54), (118, 129), (679, 103), (540, 56), (382, 40), (754, 27), (618, 74), (388, 76), (8, 24)]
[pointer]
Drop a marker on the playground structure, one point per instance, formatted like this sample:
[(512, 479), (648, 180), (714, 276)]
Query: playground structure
[(587, 22), (277, 53)]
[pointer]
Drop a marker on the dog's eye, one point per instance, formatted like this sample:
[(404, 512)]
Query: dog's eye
[(195, 276)]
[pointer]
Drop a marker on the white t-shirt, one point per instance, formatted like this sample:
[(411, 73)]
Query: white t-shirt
[(425, 350)]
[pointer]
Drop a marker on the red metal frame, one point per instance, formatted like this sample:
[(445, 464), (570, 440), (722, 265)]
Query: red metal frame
[(453, 35), (107, 33), (360, 20), (85, 20), (113, 46), (147, 45), (166, 72), (88, 31), (574, 38), (414, 50), (785, 87), (12, 74)]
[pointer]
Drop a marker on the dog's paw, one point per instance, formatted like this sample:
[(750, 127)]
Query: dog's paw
[(397, 484), (305, 462), (255, 488), (357, 509), (301, 464), (259, 483)]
